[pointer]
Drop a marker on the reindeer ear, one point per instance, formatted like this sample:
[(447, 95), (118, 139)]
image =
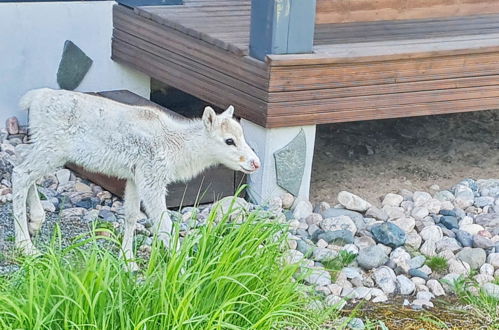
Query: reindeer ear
[(229, 112), (209, 117)]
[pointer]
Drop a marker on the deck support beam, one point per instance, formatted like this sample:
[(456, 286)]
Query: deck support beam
[(286, 155), (281, 27)]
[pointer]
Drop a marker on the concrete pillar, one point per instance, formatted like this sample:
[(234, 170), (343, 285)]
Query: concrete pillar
[(281, 27), (286, 155)]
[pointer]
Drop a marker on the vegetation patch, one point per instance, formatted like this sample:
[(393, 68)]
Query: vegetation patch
[(222, 276), (437, 264)]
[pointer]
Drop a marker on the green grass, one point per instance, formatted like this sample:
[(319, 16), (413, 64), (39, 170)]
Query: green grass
[(437, 264), (224, 276), (480, 305), (336, 264)]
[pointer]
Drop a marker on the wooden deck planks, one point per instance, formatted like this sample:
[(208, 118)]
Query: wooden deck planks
[(358, 71)]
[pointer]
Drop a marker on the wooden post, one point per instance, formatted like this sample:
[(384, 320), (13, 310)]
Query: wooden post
[(281, 27)]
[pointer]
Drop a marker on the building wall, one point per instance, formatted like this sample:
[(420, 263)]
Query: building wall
[(32, 36)]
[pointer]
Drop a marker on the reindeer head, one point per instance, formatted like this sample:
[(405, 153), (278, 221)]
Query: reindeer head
[(228, 144)]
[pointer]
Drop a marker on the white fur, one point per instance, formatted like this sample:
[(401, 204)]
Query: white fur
[(143, 145)]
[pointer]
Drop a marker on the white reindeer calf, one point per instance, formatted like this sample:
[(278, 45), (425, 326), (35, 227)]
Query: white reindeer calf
[(143, 145)]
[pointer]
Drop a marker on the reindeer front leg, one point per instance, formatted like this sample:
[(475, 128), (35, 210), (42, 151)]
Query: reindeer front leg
[(132, 213), (153, 196)]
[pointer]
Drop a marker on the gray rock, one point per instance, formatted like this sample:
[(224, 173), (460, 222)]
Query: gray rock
[(385, 279), (305, 248), (290, 164), (491, 290), (429, 248), (488, 187), (464, 196), (465, 238), (371, 257), (364, 242), (435, 288), (335, 212), (420, 198), (73, 67), (425, 295), (413, 240), (493, 259), (107, 215), (377, 213), (484, 201), (323, 254), (459, 267), (302, 209), (356, 324), (449, 222), (339, 223), (444, 195), (483, 242), (489, 221), (406, 224), (337, 237), (353, 202), (418, 273), (388, 234), (475, 257), (432, 232), (419, 304), (417, 261), (318, 277), (447, 243), (392, 200), (406, 286)]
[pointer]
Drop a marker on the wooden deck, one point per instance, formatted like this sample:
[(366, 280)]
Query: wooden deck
[(358, 71)]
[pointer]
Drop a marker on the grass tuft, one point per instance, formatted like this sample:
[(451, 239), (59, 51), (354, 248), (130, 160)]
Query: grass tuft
[(437, 264), (223, 276)]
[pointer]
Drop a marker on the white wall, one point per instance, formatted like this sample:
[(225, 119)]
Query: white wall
[(32, 36)]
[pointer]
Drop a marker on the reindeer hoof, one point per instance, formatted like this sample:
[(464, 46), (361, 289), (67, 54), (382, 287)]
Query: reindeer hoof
[(27, 249), (34, 227)]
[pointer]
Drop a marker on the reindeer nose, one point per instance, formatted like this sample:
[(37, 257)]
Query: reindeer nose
[(255, 163)]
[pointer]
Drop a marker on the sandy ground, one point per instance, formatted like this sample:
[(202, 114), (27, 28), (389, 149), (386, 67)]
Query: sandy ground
[(373, 158)]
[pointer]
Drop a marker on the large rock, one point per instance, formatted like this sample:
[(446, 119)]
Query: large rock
[(406, 286), (337, 237), (334, 212), (493, 259), (474, 257), (385, 279), (338, 223), (448, 243), (392, 200), (371, 257), (459, 267), (353, 202), (318, 277), (388, 234), (406, 224), (302, 209), (435, 287), (491, 290), (432, 232), (465, 238), (450, 222), (490, 221)]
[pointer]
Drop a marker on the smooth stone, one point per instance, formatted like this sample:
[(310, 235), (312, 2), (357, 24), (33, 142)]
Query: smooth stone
[(459, 267), (318, 277), (475, 257), (364, 242), (353, 202), (335, 301), (491, 290), (493, 259), (394, 212), (417, 261), (293, 257), (336, 212), (448, 243), (482, 242), (313, 219), (287, 200), (413, 240), (419, 304), (371, 257), (435, 287), (107, 215), (425, 295), (323, 254), (302, 209), (489, 221), (472, 228), (449, 222), (389, 234), (406, 286), (406, 224), (339, 223), (337, 237), (449, 280), (385, 279), (63, 176), (484, 201), (304, 248), (465, 238), (420, 198), (445, 196), (420, 212), (432, 232), (429, 248), (487, 269), (392, 200), (449, 213), (418, 273), (377, 213)]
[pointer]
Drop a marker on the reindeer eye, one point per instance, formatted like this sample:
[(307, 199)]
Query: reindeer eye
[(230, 142)]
